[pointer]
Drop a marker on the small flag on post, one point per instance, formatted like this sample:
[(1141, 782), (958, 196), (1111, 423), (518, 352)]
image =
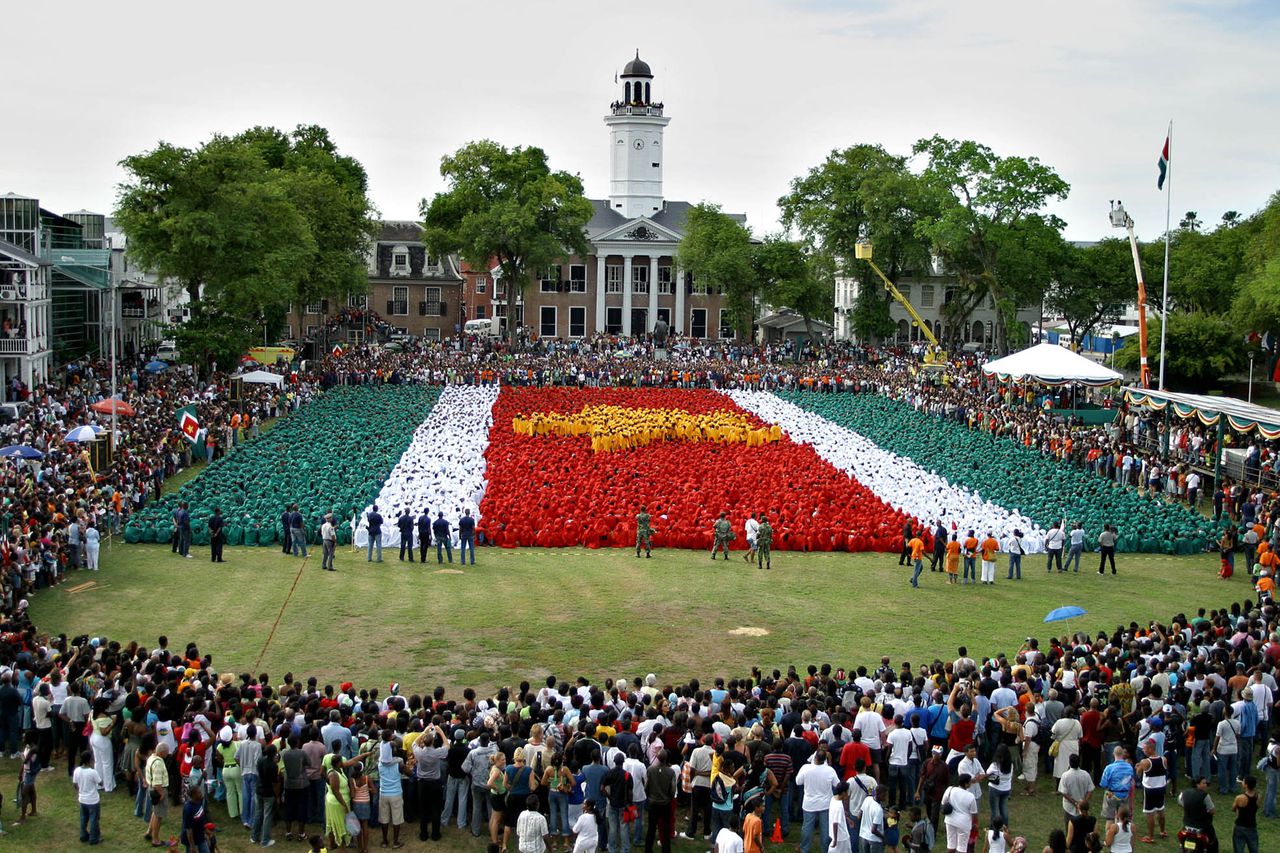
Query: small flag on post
[(336, 351), (188, 423), (1164, 164)]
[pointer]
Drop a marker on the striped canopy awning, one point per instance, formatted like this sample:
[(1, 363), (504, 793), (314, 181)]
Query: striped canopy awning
[(1241, 416)]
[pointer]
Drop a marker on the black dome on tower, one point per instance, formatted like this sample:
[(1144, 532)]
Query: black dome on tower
[(637, 68)]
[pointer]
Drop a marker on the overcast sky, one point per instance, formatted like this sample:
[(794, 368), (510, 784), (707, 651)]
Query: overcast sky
[(758, 92)]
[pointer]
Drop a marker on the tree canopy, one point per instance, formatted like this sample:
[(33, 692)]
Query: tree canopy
[(717, 250), (251, 223), (506, 207), (990, 225)]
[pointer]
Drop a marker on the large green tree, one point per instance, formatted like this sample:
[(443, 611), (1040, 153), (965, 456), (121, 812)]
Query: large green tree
[(990, 226), (719, 252), (1202, 348), (1092, 284), (861, 193), (250, 223), (1257, 302), (791, 274), (507, 207)]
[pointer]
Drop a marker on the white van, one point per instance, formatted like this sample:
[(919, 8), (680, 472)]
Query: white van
[(488, 327), (168, 352)]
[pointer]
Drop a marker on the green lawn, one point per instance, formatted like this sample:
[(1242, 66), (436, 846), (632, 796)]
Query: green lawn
[(526, 613)]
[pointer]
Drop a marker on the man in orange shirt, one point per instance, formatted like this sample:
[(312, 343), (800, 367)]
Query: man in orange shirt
[(990, 547), (1266, 586), (916, 545)]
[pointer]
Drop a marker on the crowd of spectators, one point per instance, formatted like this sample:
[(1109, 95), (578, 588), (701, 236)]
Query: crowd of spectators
[(1122, 720)]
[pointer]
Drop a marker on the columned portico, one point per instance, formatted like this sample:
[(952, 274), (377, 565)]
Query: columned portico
[(626, 296), (600, 312), (677, 322), (652, 318)]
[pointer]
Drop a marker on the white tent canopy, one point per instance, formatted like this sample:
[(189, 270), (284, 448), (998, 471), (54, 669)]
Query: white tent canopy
[(1050, 364), (262, 377)]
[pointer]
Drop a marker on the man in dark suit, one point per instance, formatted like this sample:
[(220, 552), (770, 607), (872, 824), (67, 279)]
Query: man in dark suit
[(405, 525), (466, 537), (424, 534), (440, 532), (285, 518)]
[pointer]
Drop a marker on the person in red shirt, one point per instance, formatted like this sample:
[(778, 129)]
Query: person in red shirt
[(191, 755), (1091, 740), (851, 753)]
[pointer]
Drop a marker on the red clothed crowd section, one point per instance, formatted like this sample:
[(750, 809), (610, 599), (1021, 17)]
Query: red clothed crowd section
[(551, 491)]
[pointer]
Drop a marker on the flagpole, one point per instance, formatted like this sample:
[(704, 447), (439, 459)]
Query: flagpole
[(1164, 298)]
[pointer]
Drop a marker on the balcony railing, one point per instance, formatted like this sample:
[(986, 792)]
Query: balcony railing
[(621, 109), (15, 346)]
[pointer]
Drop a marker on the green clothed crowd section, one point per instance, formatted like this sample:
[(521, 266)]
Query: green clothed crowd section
[(332, 455), (1016, 477)]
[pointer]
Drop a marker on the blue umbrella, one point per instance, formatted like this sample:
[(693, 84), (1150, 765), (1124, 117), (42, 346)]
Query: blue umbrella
[(22, 451), (156, 366), (1068, 612), (82, 433)]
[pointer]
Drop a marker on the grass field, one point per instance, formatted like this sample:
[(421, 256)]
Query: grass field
[(526, 613)]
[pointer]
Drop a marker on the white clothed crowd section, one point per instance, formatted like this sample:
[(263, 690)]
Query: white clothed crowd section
[(897, 480), (443, 469)]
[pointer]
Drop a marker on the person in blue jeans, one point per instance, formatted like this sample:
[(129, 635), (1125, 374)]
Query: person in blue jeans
[(444, 544), (88, 789), (1015, 548), (374, 520), (466, 537), (1226, 745)]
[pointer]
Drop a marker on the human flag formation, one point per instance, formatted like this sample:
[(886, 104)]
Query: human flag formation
[(1164, 164)]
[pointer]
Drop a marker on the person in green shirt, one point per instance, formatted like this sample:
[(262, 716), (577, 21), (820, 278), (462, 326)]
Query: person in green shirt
[(644, 533), (764, 538), (722, 534)]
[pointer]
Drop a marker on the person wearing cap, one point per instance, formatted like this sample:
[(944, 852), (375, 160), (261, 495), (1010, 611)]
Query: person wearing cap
[(228, 770)]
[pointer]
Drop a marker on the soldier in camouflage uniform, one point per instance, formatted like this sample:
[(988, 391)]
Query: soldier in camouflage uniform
[(723, 535), (644, 533), (764, 538)]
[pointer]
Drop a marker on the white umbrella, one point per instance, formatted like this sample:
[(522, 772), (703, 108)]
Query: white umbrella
[(82, 433)]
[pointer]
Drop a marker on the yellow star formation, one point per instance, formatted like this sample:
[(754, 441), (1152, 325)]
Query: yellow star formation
[(618, 428)]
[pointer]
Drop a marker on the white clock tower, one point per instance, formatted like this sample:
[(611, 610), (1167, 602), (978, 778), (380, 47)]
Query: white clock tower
[(635, 130)]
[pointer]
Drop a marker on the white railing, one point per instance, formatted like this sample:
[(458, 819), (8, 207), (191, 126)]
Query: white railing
[(15, 346)]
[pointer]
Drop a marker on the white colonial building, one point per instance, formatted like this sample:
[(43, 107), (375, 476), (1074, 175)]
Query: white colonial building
[(631, 278)]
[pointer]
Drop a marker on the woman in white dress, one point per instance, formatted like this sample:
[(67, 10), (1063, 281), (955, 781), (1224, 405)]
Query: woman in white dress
[(1066, 733), (100, 743)]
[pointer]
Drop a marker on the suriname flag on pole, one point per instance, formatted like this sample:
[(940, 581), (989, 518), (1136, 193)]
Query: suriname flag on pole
[(189, 423)]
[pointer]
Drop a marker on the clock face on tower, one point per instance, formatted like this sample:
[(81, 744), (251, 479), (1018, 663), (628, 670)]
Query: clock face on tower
[(639, 143)]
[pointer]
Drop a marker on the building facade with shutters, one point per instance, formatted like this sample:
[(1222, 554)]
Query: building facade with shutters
[(417, 293)]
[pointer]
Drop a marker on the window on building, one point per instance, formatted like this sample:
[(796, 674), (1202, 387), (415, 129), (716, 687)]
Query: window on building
[(613, 321), (926, 295), (550, 279), (399, 306), (500, 309), (696, 287), (400, 260), (698, 322), (431, 334), (312, 330), (547, 321), (480, 312), (315, 308), (613, 281), (431, 305), (664, 280), (726, 327), (640, 279), (432, 263), (577, 321), (357, 300), (482, 283), (577, 278)]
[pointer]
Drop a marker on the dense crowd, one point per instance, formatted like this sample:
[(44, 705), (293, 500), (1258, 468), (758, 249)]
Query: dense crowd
[(893, 755)]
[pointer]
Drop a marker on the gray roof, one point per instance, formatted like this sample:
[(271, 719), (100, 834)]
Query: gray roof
[(637, 68), (672, 217), (392, 231)]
